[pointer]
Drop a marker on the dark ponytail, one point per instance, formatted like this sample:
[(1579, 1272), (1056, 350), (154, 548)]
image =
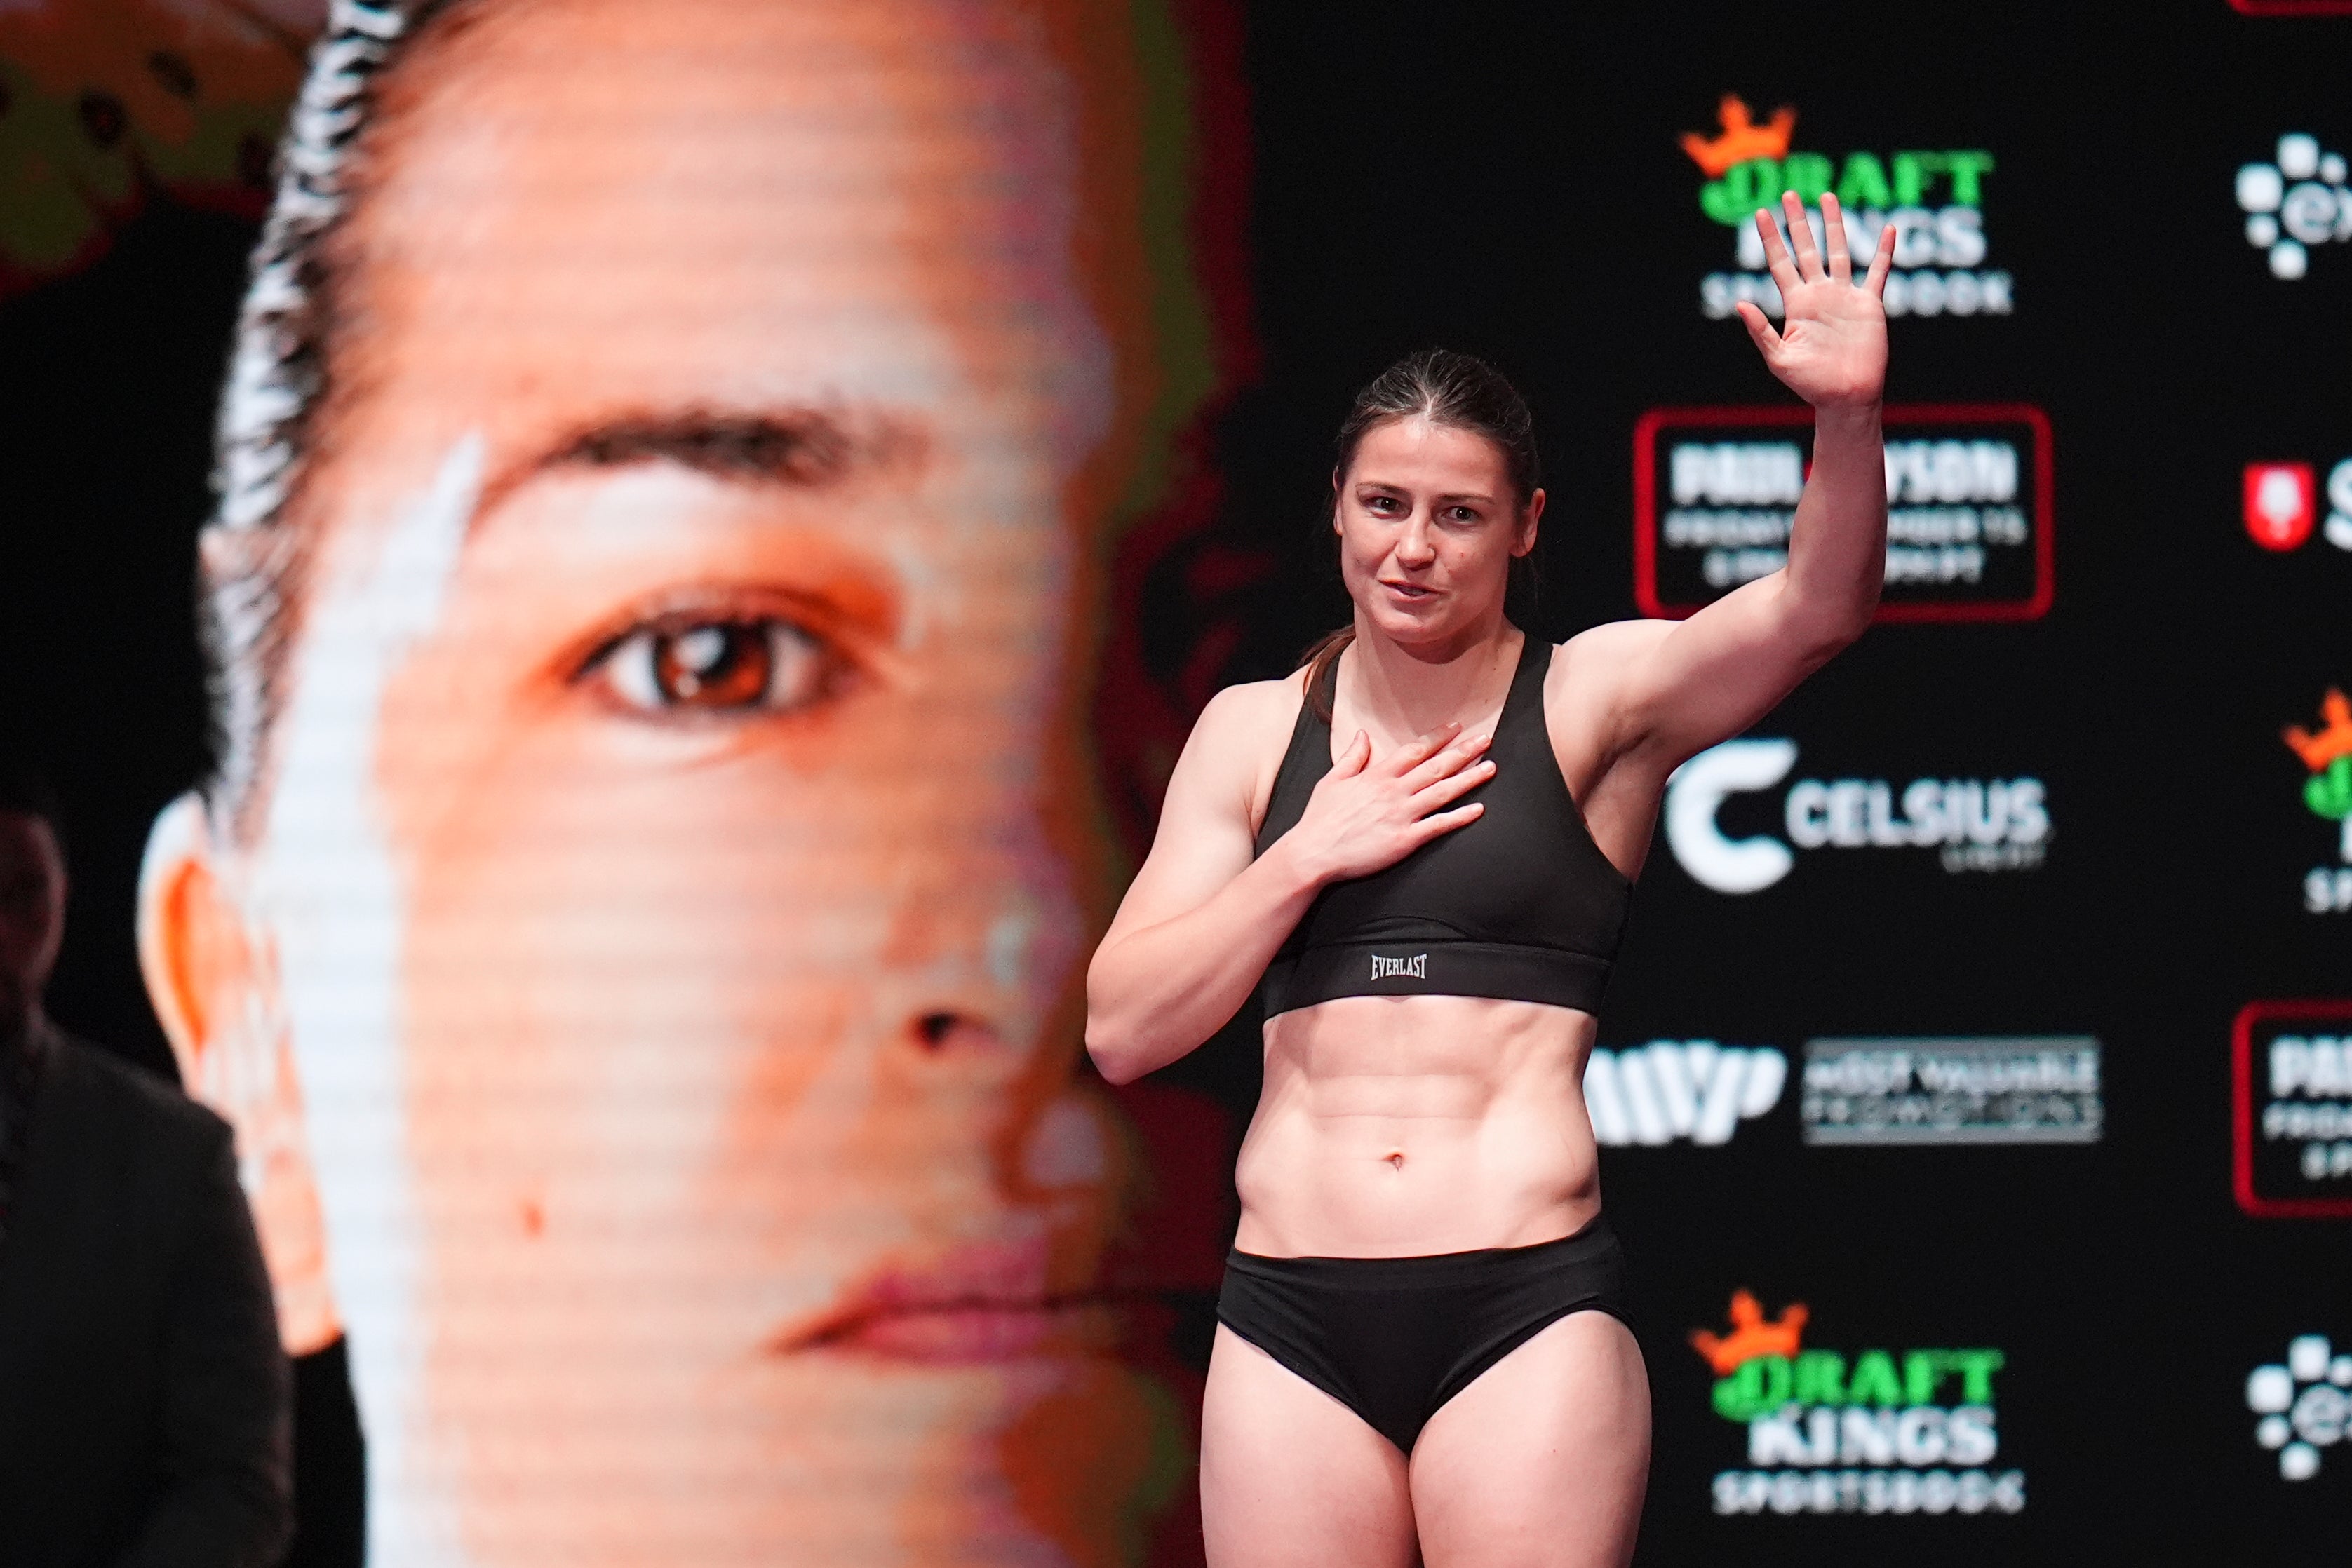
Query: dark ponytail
[(1460, 393)]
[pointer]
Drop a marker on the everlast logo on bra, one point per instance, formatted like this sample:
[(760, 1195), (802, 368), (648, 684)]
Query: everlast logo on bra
[(1415, 967)]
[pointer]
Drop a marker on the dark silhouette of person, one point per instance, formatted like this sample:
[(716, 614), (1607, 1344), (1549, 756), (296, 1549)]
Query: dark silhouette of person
[(144, 1402)]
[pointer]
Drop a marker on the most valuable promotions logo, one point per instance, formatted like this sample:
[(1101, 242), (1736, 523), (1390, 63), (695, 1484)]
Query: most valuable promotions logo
[(2304, 1405), (2326, 752), (1934, 199), (1882, 1432), (2295, 204)]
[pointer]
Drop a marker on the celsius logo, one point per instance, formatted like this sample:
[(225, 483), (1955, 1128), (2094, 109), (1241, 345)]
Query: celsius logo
[(2282, 505), (1680, 1088), (2001, 824), (2295, 204), (2304, 1405), (1822, 1428), (2327, 795), (1932, 200)]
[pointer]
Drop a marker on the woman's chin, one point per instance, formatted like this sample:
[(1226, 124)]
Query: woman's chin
[(1430, 627)]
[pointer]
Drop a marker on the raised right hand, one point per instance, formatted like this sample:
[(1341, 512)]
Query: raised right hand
[(1366, 815)]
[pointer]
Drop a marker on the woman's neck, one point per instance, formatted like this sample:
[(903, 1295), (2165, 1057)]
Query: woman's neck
[(1410, 690)]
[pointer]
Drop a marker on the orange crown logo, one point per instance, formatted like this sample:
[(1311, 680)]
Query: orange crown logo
[(1750, 1334), (1741, 138), (2322, 746)]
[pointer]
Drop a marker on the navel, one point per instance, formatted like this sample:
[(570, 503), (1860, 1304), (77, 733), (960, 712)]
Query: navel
[(1395, 1158)]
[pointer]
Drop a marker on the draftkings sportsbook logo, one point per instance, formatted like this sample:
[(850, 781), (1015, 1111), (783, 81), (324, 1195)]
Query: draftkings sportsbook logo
[(1970, 824), (2326, 755), (1883, 1431), (1933, 199)]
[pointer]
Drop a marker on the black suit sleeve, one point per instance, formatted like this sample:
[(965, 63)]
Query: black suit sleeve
[(226, 1494)]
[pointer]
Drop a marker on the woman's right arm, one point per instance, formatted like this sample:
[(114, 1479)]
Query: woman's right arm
[(1203, 918)]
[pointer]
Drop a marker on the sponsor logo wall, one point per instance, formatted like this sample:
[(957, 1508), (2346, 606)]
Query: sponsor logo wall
[(1884, 842)]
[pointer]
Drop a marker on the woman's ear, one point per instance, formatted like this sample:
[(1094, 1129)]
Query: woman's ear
[(1528, 519), (213, 977)]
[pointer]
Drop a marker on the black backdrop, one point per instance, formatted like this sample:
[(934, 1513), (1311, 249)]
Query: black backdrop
[(1509, 180)]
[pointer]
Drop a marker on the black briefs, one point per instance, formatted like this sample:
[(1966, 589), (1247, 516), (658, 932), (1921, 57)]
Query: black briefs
[(1394, 1338)]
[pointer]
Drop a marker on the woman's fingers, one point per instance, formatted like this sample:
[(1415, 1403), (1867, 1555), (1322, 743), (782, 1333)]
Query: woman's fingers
[(1881, 257), (1438, 791), (1358, 752), (1431, 827), (1760, 329), (1419, 749), (1450, 762), (1776, 253), (1834, 236), (1801, 236)]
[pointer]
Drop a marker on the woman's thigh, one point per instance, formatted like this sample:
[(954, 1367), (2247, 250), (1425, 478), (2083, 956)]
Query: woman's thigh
[(1290, 1478), (1544, 1458)]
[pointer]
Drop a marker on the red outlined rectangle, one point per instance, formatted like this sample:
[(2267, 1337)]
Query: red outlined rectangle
[(2242, 1110), (2291, 7), (1645, 511)]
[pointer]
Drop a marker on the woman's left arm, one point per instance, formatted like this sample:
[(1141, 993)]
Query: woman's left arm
[(1687, 685)]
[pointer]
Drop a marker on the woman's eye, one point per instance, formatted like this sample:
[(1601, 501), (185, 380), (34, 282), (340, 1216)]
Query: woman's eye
[(716, 666)]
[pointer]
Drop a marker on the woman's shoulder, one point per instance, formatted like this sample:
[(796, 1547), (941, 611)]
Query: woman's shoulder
[(1239, 740), (1249, 703), (1601, 653)]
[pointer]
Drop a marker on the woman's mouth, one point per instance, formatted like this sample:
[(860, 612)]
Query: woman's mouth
[(1411, 592)]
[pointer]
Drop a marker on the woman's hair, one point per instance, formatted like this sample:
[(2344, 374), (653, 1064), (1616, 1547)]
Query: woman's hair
[(1458, 392)]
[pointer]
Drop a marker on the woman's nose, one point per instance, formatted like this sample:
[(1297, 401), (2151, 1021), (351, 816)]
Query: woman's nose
[(1413, 546)]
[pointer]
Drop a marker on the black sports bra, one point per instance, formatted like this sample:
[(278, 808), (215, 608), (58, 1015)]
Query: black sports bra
[(1519, 903)]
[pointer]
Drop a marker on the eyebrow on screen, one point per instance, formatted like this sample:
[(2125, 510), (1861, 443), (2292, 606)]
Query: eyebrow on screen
[(804, 448)]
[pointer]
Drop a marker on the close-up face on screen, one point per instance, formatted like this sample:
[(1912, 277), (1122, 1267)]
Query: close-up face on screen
[(660, 883)]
